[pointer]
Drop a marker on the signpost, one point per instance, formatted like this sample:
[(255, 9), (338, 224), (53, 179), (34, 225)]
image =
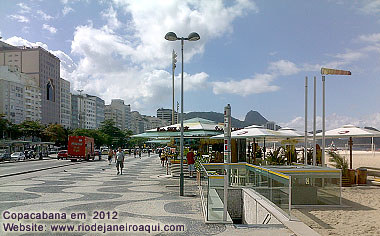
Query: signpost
[(327, 71), (227, 156)]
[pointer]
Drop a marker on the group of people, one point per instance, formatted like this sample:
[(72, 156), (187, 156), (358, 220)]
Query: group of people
[(189, 157)]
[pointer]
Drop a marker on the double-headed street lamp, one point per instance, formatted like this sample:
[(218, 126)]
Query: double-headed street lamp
[(326, 71), (171, 36)]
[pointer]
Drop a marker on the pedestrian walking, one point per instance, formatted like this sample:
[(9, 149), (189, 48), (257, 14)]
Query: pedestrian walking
[(110, 155), (190, 162), (135, 152), (148, 152), (140, 153), (120, 161)]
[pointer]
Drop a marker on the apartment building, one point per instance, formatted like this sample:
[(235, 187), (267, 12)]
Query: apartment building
[(65, 110), (20, 96), (87, 111), (119, 113), (39, 64), (166, 114)]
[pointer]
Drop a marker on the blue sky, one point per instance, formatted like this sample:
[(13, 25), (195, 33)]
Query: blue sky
[(252, 54)]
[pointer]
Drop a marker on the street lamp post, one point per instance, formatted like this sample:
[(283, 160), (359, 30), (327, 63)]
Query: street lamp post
[(171, 36), (174, 60), (326, 71)]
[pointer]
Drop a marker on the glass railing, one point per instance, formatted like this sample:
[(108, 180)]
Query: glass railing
[(283, 186)]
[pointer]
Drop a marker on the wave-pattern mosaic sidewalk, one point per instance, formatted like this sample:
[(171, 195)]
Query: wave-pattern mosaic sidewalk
[(143, 195)]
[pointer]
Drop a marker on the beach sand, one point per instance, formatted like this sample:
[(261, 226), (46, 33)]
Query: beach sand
[(359, 215), (360, 158), (360, 211)]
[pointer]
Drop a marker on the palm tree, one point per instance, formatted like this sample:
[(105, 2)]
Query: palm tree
[(276, 157)]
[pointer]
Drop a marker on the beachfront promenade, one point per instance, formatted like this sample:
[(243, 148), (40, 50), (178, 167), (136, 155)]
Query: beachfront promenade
[(142, 198)]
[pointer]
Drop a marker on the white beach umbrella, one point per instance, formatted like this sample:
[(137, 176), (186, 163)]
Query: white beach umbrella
[(349, 131), (291, 133)]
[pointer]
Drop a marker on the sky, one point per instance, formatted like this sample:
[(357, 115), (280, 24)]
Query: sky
[(253, 55)]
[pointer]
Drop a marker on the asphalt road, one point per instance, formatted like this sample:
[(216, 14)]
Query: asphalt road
[(33, 165)]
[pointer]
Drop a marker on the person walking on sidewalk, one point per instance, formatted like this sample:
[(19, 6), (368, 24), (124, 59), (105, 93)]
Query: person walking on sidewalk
[(110, 155), (140, 153), (190, 162), (120, 161)]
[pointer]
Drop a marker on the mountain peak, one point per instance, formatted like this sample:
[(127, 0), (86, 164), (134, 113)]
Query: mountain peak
[(254, 118)]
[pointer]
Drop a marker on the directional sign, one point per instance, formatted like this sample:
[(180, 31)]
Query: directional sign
[(327, 71)]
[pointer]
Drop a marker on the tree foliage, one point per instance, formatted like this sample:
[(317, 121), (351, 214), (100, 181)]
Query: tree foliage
[(277, 157), (56, 133), (32, 129), (338, 162)]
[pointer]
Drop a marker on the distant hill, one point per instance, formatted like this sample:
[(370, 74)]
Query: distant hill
[(252, 118)]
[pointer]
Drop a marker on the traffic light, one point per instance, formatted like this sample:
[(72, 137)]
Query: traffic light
[(174, 59)]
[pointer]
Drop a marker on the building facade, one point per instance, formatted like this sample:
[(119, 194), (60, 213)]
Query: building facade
[(39, 64), (87, 111), (20, 97), (99, 110), (74, 111), (65, 110), (119, 113), (166, 114)]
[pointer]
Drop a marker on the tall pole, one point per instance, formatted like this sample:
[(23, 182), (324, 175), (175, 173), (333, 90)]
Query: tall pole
[(227, 157), (173, 68), (305, 152), (181, 180), (323, 120), (315, 123)]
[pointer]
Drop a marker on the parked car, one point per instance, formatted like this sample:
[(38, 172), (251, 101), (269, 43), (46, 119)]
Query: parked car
[(104, 151), (18, 156), (5, 156), (97, 153), (62, 154)]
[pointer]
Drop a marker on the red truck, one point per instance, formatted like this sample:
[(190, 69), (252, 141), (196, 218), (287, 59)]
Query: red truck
[(80, 148)]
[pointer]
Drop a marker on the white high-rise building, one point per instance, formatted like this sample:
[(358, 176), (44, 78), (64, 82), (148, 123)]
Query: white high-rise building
[(20, 96), (65, 115), (119, 113), (87, 111)]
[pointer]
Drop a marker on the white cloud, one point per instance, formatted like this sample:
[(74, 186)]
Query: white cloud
[(111, 16), (283, 67), (18, 41), (66, 10), (44, 15), (49, 28), (19, 18), (111, 65), (131, 65), (371, 38), (370, 6), (260, 83), (24, 8)]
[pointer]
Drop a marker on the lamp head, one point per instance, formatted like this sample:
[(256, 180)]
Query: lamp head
[(193, 36), (171, 36)]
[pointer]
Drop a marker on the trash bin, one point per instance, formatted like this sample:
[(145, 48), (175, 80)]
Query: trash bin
[(351, 176), (362, 176)]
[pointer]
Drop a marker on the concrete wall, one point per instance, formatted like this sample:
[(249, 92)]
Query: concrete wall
[(254, 211)]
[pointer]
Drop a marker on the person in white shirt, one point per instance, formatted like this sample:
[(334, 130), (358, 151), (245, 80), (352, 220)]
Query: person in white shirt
[(119, 161)]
